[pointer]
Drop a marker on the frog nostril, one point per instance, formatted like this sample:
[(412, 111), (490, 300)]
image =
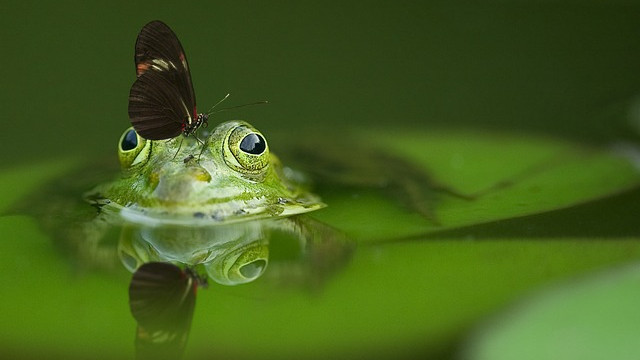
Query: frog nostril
[(201, 174)]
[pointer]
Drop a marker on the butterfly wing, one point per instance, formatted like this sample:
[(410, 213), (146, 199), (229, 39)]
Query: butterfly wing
[(158, 49), (163, 73), (160, 294), (162, 299), (157, 109)]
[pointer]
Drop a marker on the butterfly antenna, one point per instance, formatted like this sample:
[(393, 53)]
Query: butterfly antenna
[(239, 106), (218, 103)]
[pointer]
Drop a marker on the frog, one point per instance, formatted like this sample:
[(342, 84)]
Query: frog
[(212, 204), (234, 177)]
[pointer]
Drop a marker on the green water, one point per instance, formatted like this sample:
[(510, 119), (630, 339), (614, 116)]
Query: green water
[(560, 79)]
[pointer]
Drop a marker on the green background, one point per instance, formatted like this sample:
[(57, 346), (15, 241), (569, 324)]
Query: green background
[(560, 67)]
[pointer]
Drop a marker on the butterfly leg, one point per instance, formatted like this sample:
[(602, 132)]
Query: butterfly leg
[(179, 147)]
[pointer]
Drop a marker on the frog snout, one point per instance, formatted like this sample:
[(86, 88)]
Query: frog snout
[(177, 186)]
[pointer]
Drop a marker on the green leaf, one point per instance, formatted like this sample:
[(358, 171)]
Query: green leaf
[(512, 175), (595, 317)]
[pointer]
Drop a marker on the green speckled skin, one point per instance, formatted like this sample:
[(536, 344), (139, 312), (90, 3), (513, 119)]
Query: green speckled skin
[(182, 178)]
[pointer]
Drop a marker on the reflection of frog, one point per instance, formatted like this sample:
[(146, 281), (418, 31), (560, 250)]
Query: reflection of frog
[(217, 208), (239, 252)]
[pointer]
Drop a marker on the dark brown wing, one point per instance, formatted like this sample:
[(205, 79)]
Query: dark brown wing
[(161, 294), (162, 299), (157, 109), (159, 51)]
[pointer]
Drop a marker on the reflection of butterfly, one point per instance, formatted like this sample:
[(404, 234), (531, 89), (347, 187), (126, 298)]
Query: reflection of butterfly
[(162, 299), (162, 103)]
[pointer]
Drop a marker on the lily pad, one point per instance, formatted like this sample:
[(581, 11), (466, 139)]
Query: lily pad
[(510, 176), (594, 317)]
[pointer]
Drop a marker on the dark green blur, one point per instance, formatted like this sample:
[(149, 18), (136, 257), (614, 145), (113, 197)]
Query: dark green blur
[(568, 68)]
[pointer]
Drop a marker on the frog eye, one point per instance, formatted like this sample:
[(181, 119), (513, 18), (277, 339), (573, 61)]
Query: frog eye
[(239, 265), (132, 149), (249, 152), (253, 144), (129, 140)]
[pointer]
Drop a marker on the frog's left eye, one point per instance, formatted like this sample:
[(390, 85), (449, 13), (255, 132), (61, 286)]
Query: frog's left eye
[(132, 148), (246, 150)]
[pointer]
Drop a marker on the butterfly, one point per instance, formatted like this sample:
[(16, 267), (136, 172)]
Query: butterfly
[(162, 102), (162, 299)]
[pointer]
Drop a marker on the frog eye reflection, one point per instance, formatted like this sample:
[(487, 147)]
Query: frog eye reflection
[(249, 150), (239, 265)]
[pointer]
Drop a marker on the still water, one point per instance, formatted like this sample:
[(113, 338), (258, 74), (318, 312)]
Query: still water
[(474, 161)]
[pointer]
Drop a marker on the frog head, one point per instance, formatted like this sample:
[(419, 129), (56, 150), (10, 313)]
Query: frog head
[(231, 174)]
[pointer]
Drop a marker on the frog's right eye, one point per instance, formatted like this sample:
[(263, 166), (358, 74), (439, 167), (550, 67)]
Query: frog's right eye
[(129, 140), (246, 150), (132, 149)]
